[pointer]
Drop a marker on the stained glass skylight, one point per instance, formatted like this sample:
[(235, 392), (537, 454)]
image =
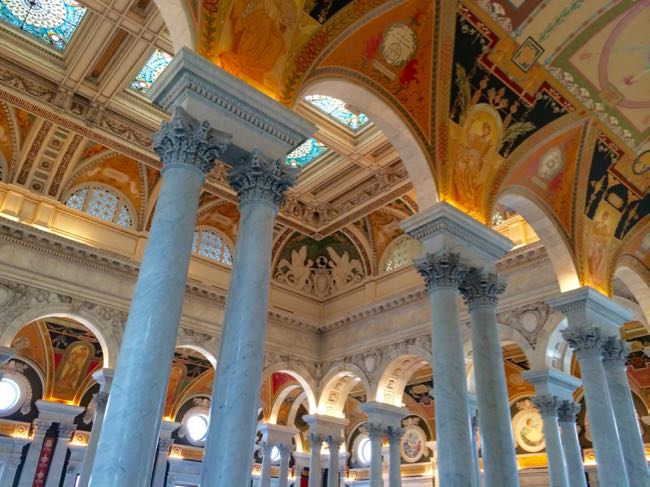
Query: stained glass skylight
[(51, 21), (338, 110), (155, 65), (305, 153)]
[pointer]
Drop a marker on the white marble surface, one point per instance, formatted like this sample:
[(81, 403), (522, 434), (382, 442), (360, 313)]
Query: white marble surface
[(572, 454), (492, 397), (239, 367), (555, 452), (627, 424), (129, 436), (450, 389), (315, 468)]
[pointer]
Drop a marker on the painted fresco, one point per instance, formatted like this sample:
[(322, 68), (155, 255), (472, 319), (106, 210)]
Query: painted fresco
[(191, 374), (220, 214), (6, 135), (549, 173), (392, 51)]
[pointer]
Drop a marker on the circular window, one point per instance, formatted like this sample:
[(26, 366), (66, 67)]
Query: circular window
[(197, 427), (363, 451), (9, 394)]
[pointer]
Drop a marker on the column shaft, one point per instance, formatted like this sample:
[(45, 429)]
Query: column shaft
[(55, 471), (100, 410), (260, 186), (604, 433), (442, 273), (134, 409), (614, 353), (315, 472), (394, 454), (476, 465), (570, 443), (33, 453), (333, 463), (160, 469), (548, 407), (283, 478), (266, 465), (480, 291), (376, 476)]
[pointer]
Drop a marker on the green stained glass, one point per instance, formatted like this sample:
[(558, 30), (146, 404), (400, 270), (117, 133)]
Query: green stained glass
[(338, 110), (51, 21), (155, 65), (306, 153)]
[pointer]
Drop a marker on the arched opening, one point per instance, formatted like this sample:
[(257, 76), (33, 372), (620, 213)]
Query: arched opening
[(395, 376), (556, 247), (336, 388), (637, 286), (178, 19), (393, 127)]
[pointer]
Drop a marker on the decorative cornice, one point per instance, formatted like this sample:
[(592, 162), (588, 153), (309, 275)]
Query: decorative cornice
[(586, 307), (257, 179), (185, 140)]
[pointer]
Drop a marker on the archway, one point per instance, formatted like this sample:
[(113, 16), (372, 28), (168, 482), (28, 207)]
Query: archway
[(391, 124)]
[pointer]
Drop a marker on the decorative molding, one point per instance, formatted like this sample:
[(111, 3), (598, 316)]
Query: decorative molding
[(481, 288), (443, 269), (568, 411), (530, 331), (547, 404), (614, 352), (585, 342)]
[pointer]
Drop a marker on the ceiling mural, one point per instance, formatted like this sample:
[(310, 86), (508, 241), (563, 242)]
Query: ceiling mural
[(191, 375), (67, 354), (7, 139)]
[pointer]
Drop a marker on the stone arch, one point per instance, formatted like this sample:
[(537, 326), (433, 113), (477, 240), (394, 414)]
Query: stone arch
[(552, 350), (336, 386), (301, 374), (100, 327), (557, 248), (208, 350), (637, 286), (395, 372), (391, 124), (178, 18)]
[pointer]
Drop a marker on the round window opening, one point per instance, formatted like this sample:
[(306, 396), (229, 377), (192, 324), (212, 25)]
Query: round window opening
[(9, 394), (197, 427), (363, 451)]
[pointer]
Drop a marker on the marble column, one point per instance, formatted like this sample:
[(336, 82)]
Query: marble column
[(443, 274), (586, 343), (300, 463), (334, 444), (567, 413), (260, 185), (375, 432), (476, 464), (13, 461), (614, 352), (315, 469), (55, 472), (30, 465), (104, 377), (266, 449), (394, 436), (74, 465), (481, 290), (547, 405), (187, 149), (165, 442), (285, 455)]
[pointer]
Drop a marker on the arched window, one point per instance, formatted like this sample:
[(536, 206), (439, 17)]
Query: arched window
[(210, 244), (102, 203), (398, 255)]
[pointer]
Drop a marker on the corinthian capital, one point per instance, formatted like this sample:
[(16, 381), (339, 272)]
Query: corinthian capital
[(614, 351), (185, 140), (257, 179), (568, 411), (441, 270), (481, 288), (547, 404), (585, 342)]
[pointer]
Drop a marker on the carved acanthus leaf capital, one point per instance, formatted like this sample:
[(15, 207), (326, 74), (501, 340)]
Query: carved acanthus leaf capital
[(568, 411), (480, 288), (374, 430), (316, 439), (255, 178), (547, 404), (185, 140), (333, 443), (584, 342), (614, 351), (394, 434), (441, 270)]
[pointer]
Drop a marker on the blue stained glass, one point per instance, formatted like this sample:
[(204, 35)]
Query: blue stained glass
[(338, 110), (51, 21), (305, 153), (155, 65)]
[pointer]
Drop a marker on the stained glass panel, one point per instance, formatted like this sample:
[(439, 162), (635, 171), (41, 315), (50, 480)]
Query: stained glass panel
[(155, 65), (400, 255), (210, 244), (101, 203), (51, 21), (338, 110), (306, 153)]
